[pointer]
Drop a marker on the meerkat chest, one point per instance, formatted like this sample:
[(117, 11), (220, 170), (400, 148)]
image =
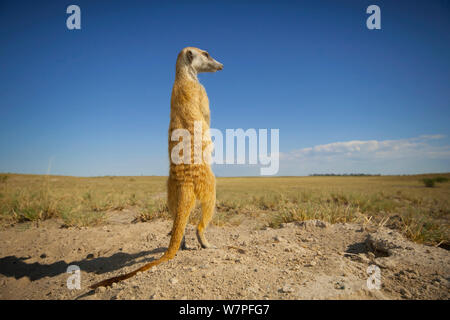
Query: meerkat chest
[(204, 103)]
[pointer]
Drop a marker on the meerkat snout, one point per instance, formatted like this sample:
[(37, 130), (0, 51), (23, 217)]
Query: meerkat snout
[(201, 61)]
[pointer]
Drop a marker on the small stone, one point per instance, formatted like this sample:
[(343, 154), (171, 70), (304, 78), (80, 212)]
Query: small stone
[(361, 258), (339, 285), (173, 281), (100, 290), (253, 289), (43, 256), (309, 224), (413, 272), (405, 293), (278, 239), (311, 264), (287, 289)]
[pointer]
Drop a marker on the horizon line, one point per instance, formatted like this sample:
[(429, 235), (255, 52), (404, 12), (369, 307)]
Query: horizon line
[(242, 176)]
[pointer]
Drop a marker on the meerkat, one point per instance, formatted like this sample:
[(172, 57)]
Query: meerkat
[(195, 180)]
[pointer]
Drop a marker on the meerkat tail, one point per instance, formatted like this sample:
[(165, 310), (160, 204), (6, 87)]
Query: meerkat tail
[(186, 203), (110, 281)]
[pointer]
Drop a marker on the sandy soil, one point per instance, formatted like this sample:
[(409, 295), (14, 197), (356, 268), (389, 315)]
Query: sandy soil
[(309, 260)]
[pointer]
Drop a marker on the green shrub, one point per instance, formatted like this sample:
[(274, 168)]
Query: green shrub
[(428, 182), (440, 179)]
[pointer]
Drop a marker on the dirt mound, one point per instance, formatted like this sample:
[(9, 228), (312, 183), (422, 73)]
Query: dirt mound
[(307, 260)]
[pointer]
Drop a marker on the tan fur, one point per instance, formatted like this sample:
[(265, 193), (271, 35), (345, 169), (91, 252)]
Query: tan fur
[(187, 182)]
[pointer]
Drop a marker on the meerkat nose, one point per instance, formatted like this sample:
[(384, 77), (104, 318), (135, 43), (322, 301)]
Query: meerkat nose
[(220, 67)]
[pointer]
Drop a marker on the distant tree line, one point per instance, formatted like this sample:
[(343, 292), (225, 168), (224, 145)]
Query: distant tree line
[(344, 175)]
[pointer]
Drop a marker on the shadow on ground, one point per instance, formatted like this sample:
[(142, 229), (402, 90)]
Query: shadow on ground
[(17, 267)]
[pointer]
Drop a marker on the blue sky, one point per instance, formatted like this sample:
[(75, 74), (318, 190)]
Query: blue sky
[(96, 101)]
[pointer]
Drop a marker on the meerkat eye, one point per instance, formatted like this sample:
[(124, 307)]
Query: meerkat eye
[(206, 54)]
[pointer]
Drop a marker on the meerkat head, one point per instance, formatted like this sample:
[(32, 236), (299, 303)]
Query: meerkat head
[(200, 60)]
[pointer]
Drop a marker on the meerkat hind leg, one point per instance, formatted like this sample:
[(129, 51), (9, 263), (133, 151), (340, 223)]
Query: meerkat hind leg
[(208, 206), (183, 245)]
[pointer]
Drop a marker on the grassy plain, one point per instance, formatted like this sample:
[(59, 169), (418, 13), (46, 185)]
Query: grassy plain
[(400, 202)]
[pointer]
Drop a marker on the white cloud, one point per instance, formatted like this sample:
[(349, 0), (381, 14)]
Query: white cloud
[(420, 154)]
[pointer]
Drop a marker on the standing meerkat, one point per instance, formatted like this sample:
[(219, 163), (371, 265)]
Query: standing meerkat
[(194, 180)]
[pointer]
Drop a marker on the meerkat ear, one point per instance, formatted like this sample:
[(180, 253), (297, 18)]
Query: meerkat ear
[(189, 56)]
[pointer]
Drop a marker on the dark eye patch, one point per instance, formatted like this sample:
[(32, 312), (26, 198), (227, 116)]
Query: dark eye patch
[(206, 54)]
